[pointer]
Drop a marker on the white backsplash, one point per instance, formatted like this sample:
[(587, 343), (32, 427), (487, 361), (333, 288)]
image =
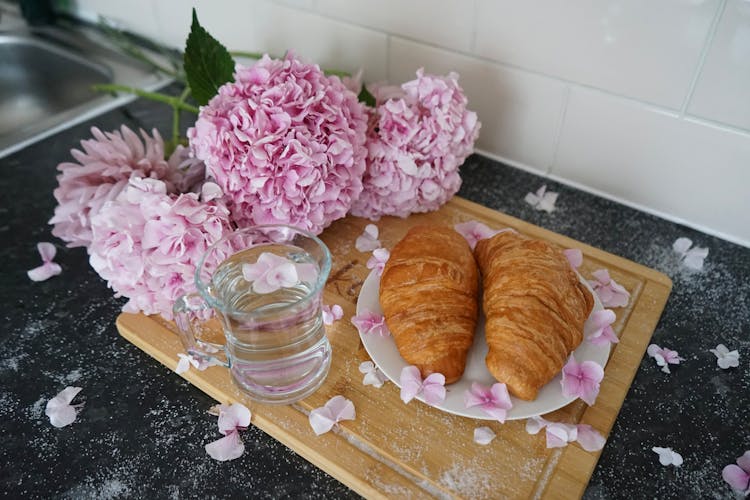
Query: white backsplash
[(645, 102)]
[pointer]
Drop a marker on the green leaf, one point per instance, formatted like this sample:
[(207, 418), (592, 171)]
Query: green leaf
[(208, 64), (366, 97)]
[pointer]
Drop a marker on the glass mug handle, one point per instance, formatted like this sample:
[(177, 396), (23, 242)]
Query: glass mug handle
[(184, 309)]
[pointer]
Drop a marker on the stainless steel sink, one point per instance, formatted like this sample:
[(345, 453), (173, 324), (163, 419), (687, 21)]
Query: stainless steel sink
[(46, 77)]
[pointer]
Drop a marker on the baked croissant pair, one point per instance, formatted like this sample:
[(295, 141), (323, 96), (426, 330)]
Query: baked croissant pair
[(534, 304)]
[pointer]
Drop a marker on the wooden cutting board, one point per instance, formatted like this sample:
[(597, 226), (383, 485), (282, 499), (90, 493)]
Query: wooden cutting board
[(394, 450)]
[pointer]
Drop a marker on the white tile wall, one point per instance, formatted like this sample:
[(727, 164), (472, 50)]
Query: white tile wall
[(648, 102), (257, 25), (638, 48), (723, 89), (448, 23), (682, 168), (520, 112)]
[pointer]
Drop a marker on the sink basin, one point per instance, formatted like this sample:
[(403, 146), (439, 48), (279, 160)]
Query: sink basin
[(46, 76), (38, 80)]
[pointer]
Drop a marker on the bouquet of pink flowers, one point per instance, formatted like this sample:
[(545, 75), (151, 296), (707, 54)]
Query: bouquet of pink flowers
[(279, 142)]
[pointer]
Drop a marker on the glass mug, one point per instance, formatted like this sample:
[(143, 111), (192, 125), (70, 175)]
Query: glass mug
[(264, 284)]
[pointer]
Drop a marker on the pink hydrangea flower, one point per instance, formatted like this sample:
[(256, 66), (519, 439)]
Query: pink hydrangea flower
[(285, 143), (147, 243), (611, 293), (419, 135), (102, 172), (581, 380), (559, 434), (574, 256)]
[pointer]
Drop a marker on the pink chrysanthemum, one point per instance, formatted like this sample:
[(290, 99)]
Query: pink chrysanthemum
[(285, 143), (147, 243), (419, 135), (104, 167)]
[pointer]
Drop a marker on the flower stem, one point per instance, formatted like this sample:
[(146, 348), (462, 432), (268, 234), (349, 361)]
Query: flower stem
[(175, 102), (176, 116)]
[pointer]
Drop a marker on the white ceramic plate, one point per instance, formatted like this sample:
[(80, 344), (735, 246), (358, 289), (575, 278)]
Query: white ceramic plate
[(383, 352)]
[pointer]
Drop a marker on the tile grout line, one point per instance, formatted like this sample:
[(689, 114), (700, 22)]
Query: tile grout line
[(713, 28), (559, 130)]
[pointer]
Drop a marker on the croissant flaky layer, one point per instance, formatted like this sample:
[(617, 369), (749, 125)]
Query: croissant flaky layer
[(535, 308), (428, 292)]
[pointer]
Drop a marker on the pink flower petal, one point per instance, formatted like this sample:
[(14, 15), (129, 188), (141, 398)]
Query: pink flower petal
[(377, 262), (44, 272), (473, 231), (737, 478), (233, 417), (535, 424), (46, 250), (373, 375), (667, 456), (494, 401), (744, 461), (598, 329), (681, 245), (574, 256), (368, 240), (483, 435), (370, 323), (227, 448), (183, 364), (337, 408), (559, 435), (581, 380), (411, 383), (589, 438), (433, 388), (210, 191), (331, 313), (59, 409)]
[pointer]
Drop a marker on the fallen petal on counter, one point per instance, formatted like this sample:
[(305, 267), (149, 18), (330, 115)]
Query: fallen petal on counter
[(60, 411), (664, 357), (368, 240), (667, 456), (373, 375), (48, 268), (535, 424), (337, 408), (559, 434), (691, 258), (233, 417), (483, 435), (542, 200), (227, 448), (738, 476), (726, 358), (332, 313)]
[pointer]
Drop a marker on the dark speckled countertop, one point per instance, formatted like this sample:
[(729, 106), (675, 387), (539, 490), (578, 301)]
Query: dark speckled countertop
[(142, 431)]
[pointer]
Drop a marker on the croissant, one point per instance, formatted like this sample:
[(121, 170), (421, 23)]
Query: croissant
[(535, 307), (428, 292)]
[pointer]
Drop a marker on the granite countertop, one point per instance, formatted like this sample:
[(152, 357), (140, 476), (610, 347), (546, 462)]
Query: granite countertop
[(143, 429)]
